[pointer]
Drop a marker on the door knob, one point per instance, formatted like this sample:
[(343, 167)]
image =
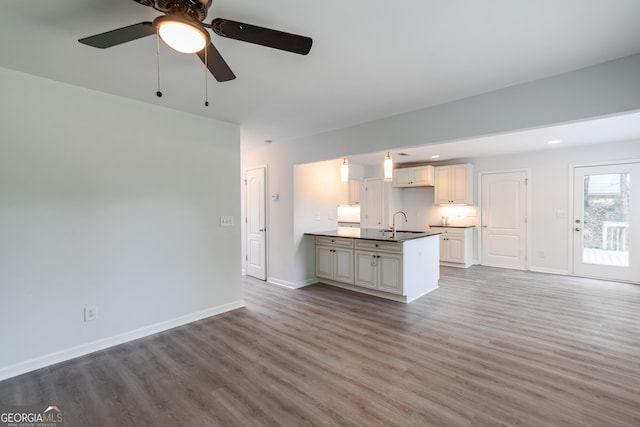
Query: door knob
[(262, 229), (577, 228)]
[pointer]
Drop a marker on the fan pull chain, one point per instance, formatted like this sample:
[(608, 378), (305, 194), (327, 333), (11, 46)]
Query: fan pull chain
[(206, 78), (158, 93)]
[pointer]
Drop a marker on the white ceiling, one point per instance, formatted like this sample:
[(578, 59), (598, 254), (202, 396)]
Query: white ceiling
[(370, 58)]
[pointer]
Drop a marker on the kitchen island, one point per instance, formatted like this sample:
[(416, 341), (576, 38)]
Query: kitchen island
[(401, 266)]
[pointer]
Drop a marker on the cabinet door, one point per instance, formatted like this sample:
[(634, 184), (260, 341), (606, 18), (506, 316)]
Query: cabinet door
[(402, 177), (324, 262), (423, 175), (455, 249), (390, 273), (343, 265), (443, 183), (355, 188), (443, 247), (366, 269), (460, 183), (373, 203)]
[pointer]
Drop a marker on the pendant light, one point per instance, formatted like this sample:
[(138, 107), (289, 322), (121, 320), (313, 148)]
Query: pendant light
[(344, 171), (388, 168)]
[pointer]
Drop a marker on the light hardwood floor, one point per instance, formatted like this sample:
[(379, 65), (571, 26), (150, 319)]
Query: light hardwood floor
[(490, 347)]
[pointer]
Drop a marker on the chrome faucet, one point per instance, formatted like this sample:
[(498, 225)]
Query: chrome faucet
[(393, 230)]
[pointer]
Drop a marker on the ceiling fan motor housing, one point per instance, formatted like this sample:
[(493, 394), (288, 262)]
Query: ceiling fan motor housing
[(196, 9)]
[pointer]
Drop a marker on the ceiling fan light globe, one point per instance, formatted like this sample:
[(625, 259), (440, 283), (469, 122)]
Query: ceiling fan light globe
[(182, 35)]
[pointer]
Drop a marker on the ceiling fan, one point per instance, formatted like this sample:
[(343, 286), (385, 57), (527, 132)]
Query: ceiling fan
[(183, 29)]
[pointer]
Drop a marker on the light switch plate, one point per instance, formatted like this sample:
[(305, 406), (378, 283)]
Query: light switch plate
[(226, 221)]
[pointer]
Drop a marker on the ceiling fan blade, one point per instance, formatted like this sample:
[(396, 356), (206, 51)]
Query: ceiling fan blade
[(262, 36), (216, 64), (120, 35)]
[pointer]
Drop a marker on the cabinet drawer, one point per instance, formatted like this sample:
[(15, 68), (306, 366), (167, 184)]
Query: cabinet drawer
[(449, 232), (375, 245), (334, 241)]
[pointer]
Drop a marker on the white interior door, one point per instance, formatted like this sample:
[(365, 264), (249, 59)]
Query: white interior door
[(256, 223), (504, 219), (606, 221)]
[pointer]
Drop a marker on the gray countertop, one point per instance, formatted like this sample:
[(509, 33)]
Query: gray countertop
[(374, 234)]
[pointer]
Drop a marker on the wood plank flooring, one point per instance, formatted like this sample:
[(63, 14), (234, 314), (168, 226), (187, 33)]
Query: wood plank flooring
[(490, 347)]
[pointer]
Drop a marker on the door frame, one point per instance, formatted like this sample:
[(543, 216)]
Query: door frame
[(571, 210), (245, 213), (528, 246)]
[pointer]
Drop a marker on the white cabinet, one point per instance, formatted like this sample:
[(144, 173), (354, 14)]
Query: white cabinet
[(379, 201), (355, 189), (377, 270), (454, 184), (334, 259), (373, 212), (456, 246), (378, 265), (400, 271), (419, 176)]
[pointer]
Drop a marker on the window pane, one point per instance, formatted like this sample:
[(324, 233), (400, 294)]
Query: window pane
[(606, 219)]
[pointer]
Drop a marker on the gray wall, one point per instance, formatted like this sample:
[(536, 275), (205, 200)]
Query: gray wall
[(109, 202), (609, 88)]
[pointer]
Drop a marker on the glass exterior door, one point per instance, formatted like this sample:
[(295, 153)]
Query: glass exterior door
[(606, 210)]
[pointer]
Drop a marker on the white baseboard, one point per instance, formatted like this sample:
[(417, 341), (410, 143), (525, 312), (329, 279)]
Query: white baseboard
[(549, 271), (283, 283), (306, 282), (83, 349), (291, 285)]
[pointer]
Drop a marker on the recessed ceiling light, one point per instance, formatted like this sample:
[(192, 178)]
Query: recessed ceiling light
[(435, 156), (402, 154), (554, 141)]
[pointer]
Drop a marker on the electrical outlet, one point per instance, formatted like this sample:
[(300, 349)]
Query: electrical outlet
[(541, 254), (226, 221), (90, 313)]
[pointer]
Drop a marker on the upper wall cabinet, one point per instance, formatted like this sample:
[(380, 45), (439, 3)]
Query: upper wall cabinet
[(419, 176), (355, 190), (454, 184)]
